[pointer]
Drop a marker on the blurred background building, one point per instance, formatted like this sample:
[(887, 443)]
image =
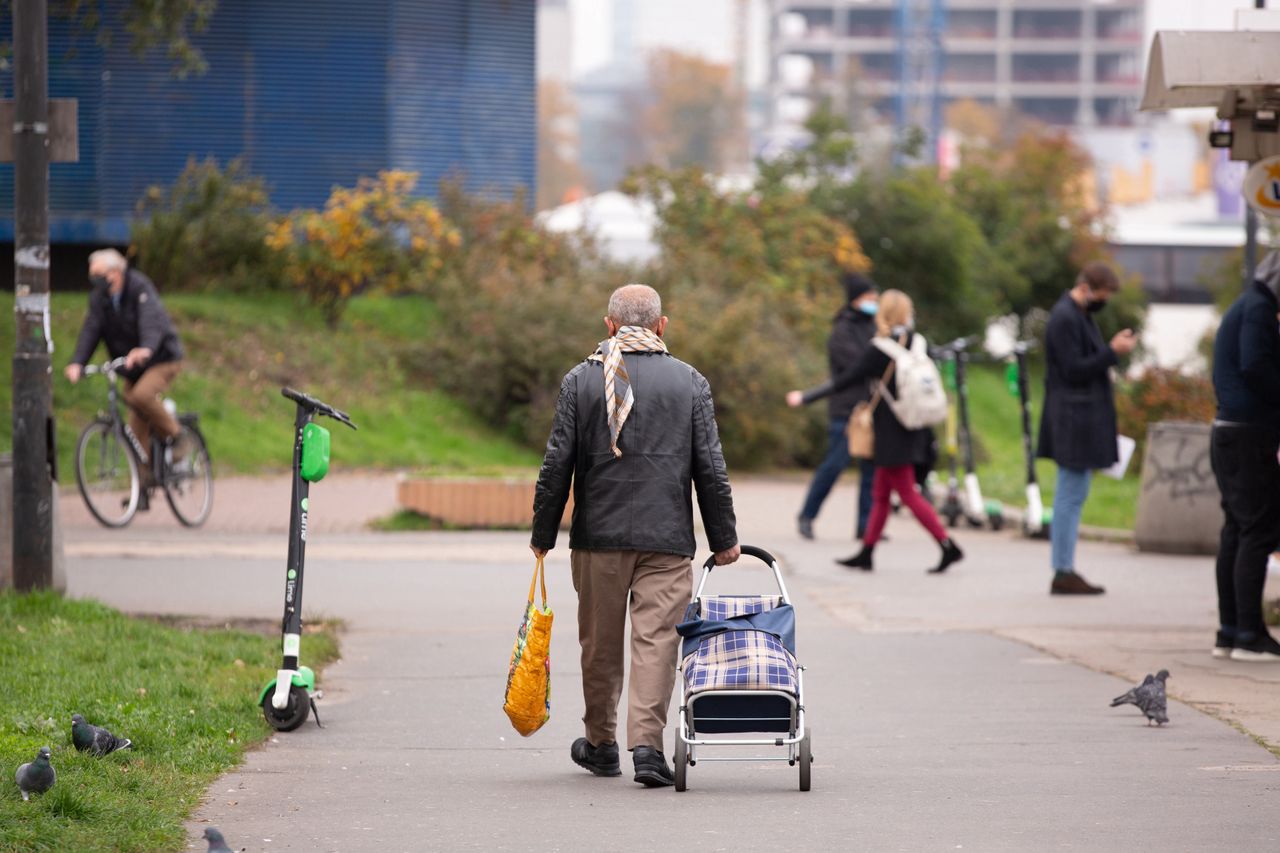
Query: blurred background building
[(310, 95)]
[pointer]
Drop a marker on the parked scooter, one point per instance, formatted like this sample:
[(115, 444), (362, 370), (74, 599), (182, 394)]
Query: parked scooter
[(968, 503), (1037, 520)]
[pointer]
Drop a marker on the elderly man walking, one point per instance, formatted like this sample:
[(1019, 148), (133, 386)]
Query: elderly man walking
[(634, 427)]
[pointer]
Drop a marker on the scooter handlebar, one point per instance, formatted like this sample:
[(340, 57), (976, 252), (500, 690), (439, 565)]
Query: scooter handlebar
[(318, 406)]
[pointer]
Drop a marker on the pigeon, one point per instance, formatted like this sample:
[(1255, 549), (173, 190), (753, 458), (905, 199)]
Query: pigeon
[(95, 739), (217, 844), (36, 776), (1150, 698)]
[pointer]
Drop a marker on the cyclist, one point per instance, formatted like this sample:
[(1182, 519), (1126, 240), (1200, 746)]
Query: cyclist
[(126, 314)]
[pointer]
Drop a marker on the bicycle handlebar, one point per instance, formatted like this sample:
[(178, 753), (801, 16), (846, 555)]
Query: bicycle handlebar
[(318, 406), (106, 367)]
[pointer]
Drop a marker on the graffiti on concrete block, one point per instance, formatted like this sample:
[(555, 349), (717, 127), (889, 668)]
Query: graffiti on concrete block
[(1179, 466)]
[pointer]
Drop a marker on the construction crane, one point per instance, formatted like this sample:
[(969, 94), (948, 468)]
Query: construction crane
[(920, 61)]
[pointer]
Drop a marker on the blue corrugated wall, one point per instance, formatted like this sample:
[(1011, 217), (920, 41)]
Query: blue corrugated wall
[(310, 94)]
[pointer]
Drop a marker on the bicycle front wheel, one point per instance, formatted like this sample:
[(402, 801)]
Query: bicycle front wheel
[(107, 473), (188, 482)]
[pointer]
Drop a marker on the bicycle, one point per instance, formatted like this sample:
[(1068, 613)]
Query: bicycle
[(110, 461)]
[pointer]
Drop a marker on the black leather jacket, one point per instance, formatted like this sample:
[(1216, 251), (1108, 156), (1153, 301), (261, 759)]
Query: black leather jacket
[(140, 321), (642, 500)]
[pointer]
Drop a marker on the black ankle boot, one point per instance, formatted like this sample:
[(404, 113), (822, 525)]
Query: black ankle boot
[(860, 560), (951, 553)]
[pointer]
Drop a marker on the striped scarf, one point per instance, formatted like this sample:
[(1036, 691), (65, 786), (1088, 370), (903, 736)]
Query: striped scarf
[(618, 396)]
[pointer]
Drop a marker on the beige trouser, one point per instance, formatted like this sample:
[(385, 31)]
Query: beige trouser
[(146, 403), (659, 587)]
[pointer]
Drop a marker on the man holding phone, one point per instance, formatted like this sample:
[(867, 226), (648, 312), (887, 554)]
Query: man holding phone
[(1078, 427)]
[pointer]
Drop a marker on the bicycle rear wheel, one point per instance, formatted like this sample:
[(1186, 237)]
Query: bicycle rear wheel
[(107, 474), (188, 482)]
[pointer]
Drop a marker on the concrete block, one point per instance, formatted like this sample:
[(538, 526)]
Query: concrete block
[(1178, 507)]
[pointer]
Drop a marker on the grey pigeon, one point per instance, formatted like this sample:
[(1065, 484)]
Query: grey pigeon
[(35, 776), (217, 844), (1150, 698), (95, 739)]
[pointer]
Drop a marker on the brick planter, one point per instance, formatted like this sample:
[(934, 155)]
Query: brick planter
[(473, 503)]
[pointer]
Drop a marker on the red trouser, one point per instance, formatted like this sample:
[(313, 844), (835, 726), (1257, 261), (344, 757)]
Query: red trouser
[(900, 479)]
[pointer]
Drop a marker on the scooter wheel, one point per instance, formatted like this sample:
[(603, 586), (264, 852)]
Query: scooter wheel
[(292, 715), (997, 522)]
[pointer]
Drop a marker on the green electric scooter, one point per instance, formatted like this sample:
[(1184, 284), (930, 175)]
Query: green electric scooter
[(1038, 520), (966, 503), (288, 697)]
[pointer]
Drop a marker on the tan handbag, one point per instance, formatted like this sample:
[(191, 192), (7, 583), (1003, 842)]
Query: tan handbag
[(861, 430)]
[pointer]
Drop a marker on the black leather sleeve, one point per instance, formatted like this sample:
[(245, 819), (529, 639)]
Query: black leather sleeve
[(556, 476), (710, 474)]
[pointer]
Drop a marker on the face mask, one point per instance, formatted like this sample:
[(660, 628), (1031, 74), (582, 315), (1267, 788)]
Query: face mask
[(1093, 306), (99, 281), (911, 323), (868, 308)]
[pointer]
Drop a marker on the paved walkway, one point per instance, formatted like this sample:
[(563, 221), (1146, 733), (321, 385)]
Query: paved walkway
[(934, 729)]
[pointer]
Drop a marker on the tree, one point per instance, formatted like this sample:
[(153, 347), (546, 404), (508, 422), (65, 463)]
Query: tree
[(150, 24), (559, 175), (690, 113)]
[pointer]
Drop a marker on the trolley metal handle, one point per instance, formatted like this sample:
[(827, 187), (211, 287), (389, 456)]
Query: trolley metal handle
[(747, 551)]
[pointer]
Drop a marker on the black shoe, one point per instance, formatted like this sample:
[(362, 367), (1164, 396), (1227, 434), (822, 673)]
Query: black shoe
[(1260, 649), (651, 768), (601, 760), (805, 526), (951, 553), (860, 560), (1223, 643), (1070, 583)]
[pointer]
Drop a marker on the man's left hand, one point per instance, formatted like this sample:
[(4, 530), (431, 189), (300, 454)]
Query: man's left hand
[(724, 558), (137, 356)]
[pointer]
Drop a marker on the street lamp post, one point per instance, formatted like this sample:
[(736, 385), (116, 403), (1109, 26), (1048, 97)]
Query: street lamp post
[(32, 385)]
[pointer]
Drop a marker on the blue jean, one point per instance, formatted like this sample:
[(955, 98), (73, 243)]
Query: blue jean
[(1068, 502), (833, 464)]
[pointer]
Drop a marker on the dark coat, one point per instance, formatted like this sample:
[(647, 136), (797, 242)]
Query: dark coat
[(895, 444), (1246, 360), (141, 321), (640, 501), (1078, 426), (851, 334)]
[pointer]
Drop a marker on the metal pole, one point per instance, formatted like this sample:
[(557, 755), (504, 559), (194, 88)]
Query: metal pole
[(1251, 219), (32, 386)]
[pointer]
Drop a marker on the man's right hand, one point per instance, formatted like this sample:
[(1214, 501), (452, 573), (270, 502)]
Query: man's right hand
[(724, 558), (73, 372), (1124, 342), (795, 399)]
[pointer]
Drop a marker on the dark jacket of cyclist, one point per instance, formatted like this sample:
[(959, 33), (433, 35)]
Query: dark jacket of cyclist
[(125, 313)]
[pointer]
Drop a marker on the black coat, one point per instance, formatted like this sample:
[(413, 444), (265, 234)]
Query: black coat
[(1246, 360), (895, 444), (851, 334), (140, 321), (640, 501), (1078, 426)]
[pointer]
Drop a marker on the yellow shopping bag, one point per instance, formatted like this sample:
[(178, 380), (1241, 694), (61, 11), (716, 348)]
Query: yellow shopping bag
[(528, 699)]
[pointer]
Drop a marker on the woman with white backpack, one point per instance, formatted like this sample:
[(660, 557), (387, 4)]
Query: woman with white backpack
[(892, 428)]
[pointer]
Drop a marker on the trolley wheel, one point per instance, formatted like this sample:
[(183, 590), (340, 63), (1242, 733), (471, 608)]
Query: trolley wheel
[(806, 760), (682, 764), (292, 715)]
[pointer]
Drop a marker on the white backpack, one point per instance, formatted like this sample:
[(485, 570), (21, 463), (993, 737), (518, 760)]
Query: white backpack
[(921, 400)]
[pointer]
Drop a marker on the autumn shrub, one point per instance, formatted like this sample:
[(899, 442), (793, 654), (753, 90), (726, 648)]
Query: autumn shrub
[(1162, 395), (519, 306), (207, 231), (376, 236)]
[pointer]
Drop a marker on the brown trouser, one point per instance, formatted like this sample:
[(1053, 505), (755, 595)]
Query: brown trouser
[(146, 403), (659, 587)]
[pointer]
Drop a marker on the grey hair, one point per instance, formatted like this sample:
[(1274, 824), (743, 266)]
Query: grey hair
[(635, 305), (107, 258)]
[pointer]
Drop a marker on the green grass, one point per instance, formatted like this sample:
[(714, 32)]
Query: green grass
[(185, 698), (241, 350), (996, 421)]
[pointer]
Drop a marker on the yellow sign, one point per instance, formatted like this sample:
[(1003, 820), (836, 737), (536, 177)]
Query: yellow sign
[(1262, 186)]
